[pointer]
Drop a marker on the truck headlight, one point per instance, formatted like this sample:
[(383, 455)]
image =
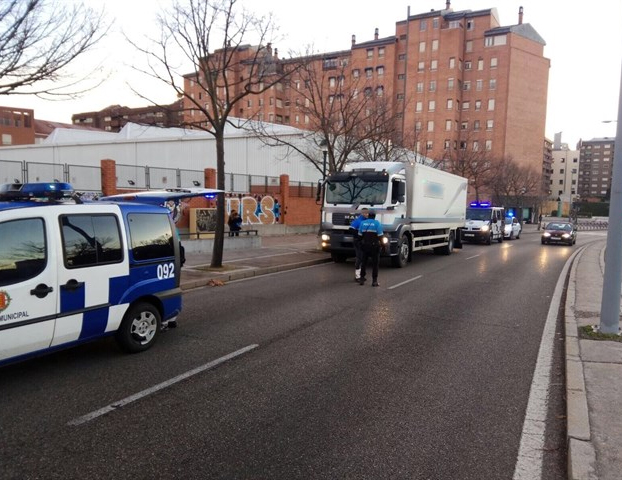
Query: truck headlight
[(385, 241), (325, 237), (485, 228)]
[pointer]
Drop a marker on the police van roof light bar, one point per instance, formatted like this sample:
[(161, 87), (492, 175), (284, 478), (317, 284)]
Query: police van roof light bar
[(35, 191)]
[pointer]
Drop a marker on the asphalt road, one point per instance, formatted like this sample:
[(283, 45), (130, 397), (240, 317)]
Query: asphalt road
[(425, 377)]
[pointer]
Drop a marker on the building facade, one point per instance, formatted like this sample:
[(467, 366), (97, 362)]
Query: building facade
[(564, 183), (17, 126), (115, 117), (455, 80), (595, 168)]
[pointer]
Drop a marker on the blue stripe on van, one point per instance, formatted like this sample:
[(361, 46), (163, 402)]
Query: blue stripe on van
[(94, 322), (71, 300)]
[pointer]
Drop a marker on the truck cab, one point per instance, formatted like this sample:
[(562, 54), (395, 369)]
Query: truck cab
[(484, 223)]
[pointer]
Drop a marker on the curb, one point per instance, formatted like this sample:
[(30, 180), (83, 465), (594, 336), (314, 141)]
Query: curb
[(581, 452), (252, 272)]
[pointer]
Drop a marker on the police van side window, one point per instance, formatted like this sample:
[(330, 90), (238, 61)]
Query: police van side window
[(151, 236), (90, 240), (23, 251)]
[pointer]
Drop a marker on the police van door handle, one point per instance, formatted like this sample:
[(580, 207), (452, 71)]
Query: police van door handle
[(41, 290), (73, 284)]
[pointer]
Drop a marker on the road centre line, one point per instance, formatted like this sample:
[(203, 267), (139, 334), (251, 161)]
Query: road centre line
[(160, 386), (530, 452), (405, 282), (474, 256)]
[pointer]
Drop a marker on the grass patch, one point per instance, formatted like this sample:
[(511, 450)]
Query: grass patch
[(592, 333)]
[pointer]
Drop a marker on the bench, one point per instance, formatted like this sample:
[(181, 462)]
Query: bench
[(247, 232)]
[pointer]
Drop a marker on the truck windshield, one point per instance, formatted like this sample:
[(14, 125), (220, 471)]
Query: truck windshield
[(357, 190), (478, 214)]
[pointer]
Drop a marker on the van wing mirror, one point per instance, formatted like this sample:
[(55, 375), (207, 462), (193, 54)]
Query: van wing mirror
[(398, 192)]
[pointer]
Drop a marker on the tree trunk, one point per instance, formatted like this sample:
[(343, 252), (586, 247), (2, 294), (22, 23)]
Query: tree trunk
[(219, 237)]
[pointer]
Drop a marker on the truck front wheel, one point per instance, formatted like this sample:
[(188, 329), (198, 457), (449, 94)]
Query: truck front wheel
[(403, 253), (338, 257)]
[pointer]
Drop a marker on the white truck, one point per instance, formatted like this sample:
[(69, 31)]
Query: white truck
[(419, 207)]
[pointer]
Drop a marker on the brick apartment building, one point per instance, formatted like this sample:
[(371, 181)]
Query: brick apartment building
[(17, 126), (115, 117), (595, 168), (455, 80)]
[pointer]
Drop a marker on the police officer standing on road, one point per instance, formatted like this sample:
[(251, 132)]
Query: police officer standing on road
[(370, 233), (354, 228)]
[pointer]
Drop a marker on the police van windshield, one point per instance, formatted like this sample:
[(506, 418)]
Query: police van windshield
[(478, 213), (351, 190)]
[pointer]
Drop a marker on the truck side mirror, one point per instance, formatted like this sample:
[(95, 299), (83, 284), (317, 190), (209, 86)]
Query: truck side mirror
[(398, 192)]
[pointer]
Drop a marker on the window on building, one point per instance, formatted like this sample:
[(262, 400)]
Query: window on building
[(431, 105), (381, 51), (419, 107), (369, 72), (493, 62), (401, 76), (491, 104), (463, 145), (434, 45), (466, 105), (469, 46), (468, 65), (367, 92), (476, 125), (495, 40), (466, 86), (418, 126), (489, 124), (419, 87), (480, 64), (448, 125), (429, 145), (450, 83), (452, 62), (433, 85), (479, 85), (450, 104), (380, 71), (370, 53), (478, 105), (430, 125), (423, 25), (470, 24), (420, 66), (380, 91), (475, 146), (7, 139), (488, 145), (446, 144), (356, 73), (421, 47), (435, 23), (400, 96), (493, 84), (434, 65), (464, 126), (401, 57)]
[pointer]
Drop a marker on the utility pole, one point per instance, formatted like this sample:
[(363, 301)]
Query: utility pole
[(612, 281)]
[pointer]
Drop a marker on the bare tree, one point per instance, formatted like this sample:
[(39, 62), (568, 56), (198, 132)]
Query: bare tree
[(512, 183), (469, 160), (344, 116), (38, 41), (211, 36)]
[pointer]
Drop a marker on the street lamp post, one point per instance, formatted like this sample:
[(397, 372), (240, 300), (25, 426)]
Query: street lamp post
[(612, 280), (324, 147)]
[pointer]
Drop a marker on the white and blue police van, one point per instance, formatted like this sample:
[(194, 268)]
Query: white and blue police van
[(72, 271), (484, 223)]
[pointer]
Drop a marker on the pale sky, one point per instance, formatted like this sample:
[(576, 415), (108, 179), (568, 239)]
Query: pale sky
[(583, 44)]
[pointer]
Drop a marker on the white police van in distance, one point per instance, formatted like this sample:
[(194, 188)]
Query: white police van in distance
[(484, 223), (74, 272)]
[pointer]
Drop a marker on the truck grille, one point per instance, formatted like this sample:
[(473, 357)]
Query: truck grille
[(344, 218)]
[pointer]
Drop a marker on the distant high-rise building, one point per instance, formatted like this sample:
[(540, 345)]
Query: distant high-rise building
[(564, 178), (114, 117), (455, 80), (595, 168)]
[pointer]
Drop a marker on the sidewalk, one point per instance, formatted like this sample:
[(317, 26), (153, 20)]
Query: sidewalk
[(593, 376), (276, 254)]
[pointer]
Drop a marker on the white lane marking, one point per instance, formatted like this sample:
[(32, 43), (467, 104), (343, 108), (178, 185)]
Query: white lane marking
[(530, 452), (137, 396), (404, 283), (474, 256)]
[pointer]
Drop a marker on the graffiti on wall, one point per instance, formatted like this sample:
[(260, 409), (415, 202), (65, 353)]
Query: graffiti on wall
[(256, 210)]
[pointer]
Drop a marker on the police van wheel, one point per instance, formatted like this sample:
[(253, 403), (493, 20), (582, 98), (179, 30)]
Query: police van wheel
[(139, 328)]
